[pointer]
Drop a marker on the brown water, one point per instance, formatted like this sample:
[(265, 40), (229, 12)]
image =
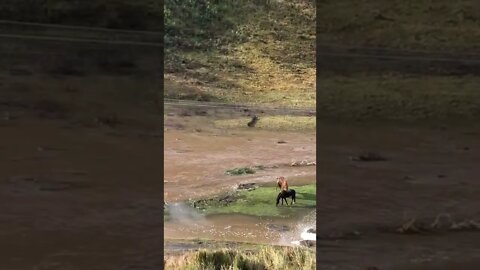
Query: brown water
[(428, 172), (195, 165), (239, 228)]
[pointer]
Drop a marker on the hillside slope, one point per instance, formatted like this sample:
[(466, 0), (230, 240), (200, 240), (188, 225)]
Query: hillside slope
[(243, 51), (399, 61), (440, 25)]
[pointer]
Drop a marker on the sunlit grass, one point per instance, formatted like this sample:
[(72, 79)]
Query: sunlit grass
[(271, 60), (286, 258), (262, 202)]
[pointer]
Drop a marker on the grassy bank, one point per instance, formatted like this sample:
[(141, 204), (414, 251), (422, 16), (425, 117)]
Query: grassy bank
[(400, 98), (259, 202), (243, 51), (265, 258)]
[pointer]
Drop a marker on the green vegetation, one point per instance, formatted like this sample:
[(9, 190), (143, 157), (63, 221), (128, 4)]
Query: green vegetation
[(241, 51), (240, 171), (287, 258), (423, 24), (260, 202)]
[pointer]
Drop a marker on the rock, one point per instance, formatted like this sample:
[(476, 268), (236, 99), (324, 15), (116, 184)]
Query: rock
[(281, 142)]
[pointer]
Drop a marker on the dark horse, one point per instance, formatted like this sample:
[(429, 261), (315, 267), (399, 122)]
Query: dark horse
[(285, 194)]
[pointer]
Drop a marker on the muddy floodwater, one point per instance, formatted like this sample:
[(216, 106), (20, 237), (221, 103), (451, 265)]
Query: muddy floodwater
[(195, 165), (423, 176)]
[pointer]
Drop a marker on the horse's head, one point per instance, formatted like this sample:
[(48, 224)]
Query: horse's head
[(279, 181)]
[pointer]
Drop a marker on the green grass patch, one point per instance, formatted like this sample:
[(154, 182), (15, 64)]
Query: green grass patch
[(260, 202), (240, 171), (284, 123), (287, 258)]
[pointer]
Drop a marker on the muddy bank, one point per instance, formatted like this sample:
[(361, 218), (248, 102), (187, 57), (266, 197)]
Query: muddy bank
[(197, 161)]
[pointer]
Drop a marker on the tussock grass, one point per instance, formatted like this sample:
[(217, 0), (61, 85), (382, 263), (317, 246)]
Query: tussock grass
[(287, 258), (284, 123)]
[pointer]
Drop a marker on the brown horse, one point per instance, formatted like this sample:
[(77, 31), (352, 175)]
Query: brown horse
[(282, 183)]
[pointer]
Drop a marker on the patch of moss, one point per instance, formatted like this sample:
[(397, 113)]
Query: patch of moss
[(261, 202)]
